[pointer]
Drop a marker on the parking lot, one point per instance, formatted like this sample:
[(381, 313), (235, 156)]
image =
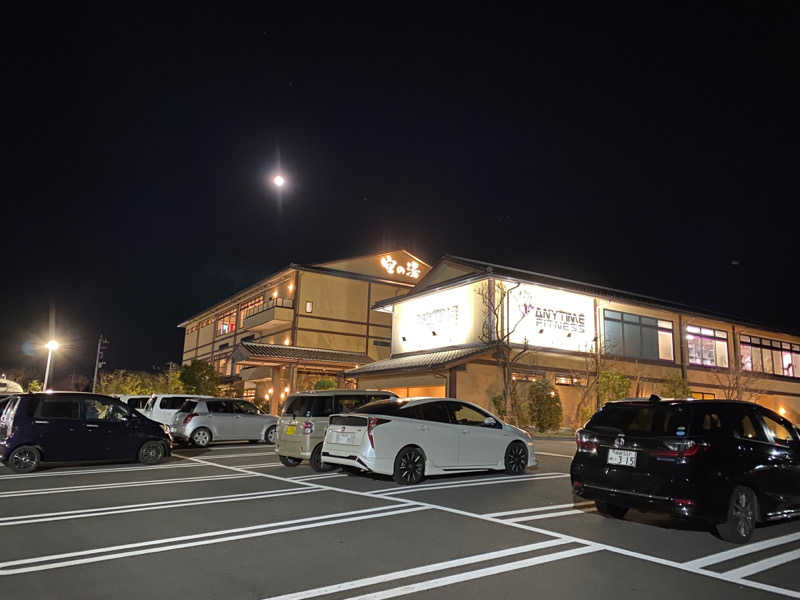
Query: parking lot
[(231, 522)]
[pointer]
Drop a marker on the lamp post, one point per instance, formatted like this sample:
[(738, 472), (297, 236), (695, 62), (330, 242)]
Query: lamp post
[(279, 181), (51, 346)]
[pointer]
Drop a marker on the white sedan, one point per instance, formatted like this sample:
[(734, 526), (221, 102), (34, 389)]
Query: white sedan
[(414, 437)]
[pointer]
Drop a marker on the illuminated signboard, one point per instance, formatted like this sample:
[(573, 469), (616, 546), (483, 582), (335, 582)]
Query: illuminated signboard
[(550, 318), (410, 270)]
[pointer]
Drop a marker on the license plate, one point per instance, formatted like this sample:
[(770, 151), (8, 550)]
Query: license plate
[(344, 438), (291, 429), (626, 458)]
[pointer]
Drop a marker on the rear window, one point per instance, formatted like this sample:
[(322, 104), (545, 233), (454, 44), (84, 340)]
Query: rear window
[(644, 419), (58, 409), (346, 403), (309, 406), (171, 403), (188, 406), (220, 406), (392, 408)]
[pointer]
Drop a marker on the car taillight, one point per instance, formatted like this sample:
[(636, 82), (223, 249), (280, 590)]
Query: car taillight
[(679, 449), (372, 424), (188, 418), (308, 427), (586, 442)]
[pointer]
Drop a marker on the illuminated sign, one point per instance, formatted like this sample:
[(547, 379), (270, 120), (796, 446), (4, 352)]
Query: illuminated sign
[(411, 268), (550, 318)]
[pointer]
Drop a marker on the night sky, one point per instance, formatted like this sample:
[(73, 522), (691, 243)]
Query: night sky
[(649, 149)]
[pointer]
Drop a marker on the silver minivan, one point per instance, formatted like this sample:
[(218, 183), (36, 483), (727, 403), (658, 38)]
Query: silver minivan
[(203, 420), (304, 421)]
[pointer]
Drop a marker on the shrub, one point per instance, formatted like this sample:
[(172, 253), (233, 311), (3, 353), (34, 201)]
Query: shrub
[(544, 405)]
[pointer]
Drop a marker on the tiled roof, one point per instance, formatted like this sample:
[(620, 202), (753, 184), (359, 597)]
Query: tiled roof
[(429, 360), (246, 350)]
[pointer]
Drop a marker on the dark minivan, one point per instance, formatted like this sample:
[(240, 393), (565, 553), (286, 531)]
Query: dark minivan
[(71, 426), (733, 464)]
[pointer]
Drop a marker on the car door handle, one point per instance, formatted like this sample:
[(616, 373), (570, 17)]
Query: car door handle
[(465, 431), (423, 428), (42, 422), (92, 426)]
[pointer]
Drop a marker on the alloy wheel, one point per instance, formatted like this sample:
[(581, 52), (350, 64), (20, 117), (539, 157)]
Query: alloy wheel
[(271, 433), (201, 437), (412, 466), (516, 458), (23, 459), (152, 452), (743, 513)]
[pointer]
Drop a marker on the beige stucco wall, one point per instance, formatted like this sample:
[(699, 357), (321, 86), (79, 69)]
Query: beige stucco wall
[(478, 383)]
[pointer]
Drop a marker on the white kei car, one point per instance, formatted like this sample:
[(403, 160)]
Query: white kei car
[(414, 437)]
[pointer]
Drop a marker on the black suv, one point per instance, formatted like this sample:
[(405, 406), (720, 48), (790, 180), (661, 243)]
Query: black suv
[(731, 463)]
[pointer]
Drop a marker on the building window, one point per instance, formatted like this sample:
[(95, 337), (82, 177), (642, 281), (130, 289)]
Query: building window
[(249, 394), (769, 356), (223, 365), (636, 336), (703, 396), (707, 347), (226, 323), (309, 306), (250, 307)]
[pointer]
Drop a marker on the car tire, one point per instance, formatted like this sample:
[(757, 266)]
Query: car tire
[(615, 511), (271, 435), (742, 516), (290, 461), (316, 461), (24, 459), (409, 466), (516, 459), (151, 453), (201, 437)]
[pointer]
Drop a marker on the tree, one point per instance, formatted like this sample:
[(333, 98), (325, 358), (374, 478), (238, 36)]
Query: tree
[(122, 381), (497, 330), (199, 377), (34, 386), (325, 384), (738, 382), (675, 387), (544, 404), (612, 385)]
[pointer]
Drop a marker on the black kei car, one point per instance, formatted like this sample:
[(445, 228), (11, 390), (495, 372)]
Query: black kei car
[(733, 464)]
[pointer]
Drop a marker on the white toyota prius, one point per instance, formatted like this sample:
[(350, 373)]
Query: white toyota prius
[(414, 437)]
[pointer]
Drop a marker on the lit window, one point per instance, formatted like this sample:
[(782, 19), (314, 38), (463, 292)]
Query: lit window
[(226, 323), (707, 347), (309, 306), (770, 356), (637, 336)]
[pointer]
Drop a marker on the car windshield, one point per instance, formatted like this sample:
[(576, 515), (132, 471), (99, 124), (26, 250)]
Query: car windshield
[(643, 419)]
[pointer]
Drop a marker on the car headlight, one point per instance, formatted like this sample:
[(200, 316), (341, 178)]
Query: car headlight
[(165, 428)]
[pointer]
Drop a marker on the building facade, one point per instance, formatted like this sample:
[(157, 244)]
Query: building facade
[(445, 331), (302, 323)]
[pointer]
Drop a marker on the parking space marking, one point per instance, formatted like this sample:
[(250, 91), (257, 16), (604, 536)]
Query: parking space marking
[(235, 455), (201, 539), (477, 574), (180, 465), (763, 565), (315, 477), (148, 506), (551, 515), (416, 571), (461, 484), (537, 509), (742, 550), (569, 456), (124, 484), (622, 551)]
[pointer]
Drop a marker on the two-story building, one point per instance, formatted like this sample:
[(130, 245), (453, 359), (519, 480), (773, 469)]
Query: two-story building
[(302, 323), (443, 332)]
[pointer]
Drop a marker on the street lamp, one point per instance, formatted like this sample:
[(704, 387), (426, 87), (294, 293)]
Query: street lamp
[(51, 346), (279, 181)]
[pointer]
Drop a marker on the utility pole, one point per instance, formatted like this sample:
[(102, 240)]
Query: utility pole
[(99, 363)]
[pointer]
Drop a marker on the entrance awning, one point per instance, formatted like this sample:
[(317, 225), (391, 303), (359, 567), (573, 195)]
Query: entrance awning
[(440, 359), (256, 354)]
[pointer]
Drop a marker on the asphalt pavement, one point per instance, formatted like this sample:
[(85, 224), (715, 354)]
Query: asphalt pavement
[(231, 522)]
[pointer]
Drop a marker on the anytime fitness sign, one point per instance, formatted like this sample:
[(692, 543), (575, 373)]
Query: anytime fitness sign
[(551, 318)]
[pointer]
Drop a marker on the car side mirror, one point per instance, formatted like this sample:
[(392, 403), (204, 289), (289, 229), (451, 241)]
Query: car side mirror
[(490, 422)]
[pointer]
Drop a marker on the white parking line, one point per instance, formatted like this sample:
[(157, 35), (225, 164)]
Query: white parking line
[(180, 465), (569, 456), (741, 551), (415, 571), (148, 506), (763, 565), (125, 484), (201, 539), (238, 454), (537, 509), (496, 481), (315, 477), (561, 513), (477, 574)]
